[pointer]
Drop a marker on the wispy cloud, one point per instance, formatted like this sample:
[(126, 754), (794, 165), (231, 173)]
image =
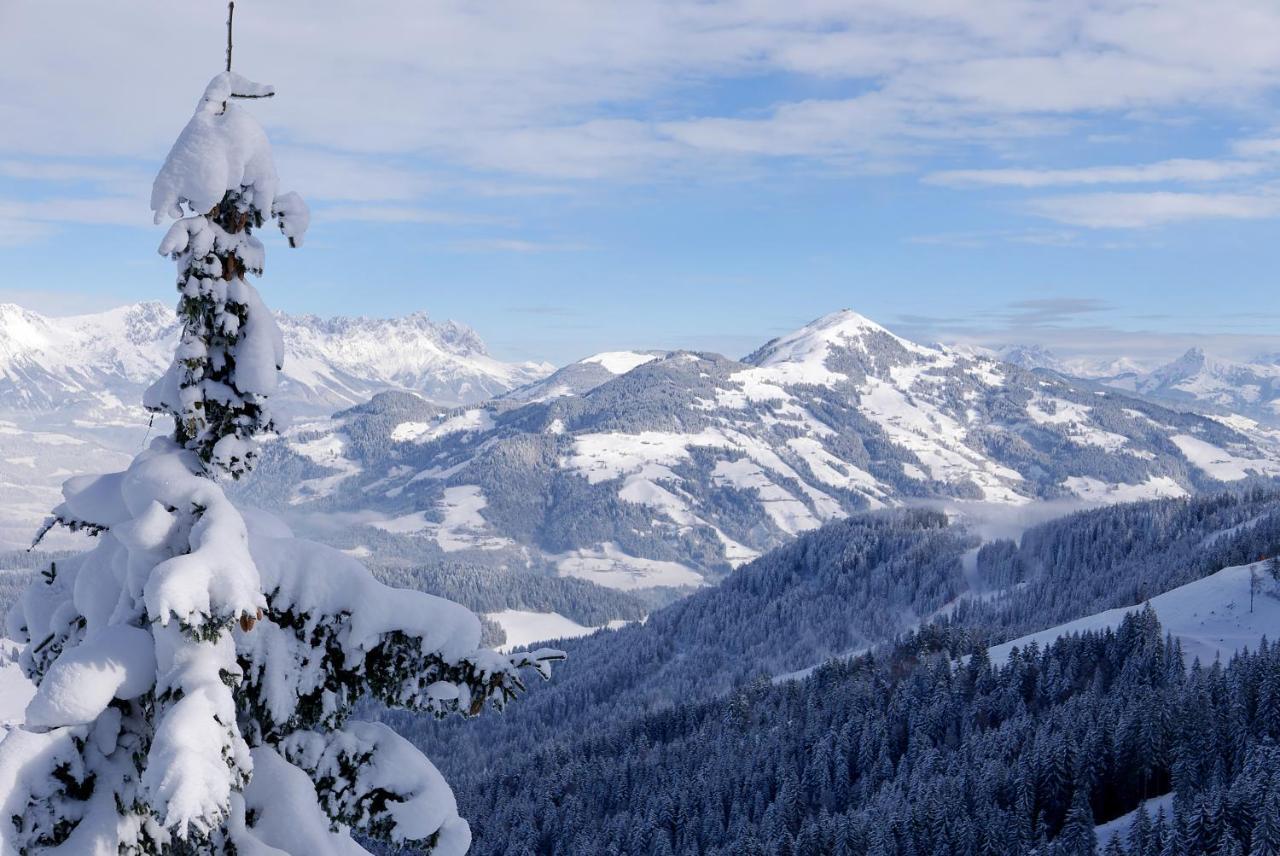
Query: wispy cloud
[(1143, 210), (543, 309), (397, 214), (1177, 170), (19, 232), (1258, 147), (984, 239), (512, 245), (1098, 340), (69, 171), (1053, 310), (99, 211), (576, 89)]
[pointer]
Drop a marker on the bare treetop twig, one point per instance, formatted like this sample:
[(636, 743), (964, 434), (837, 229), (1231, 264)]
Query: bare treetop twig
[(231, 13)]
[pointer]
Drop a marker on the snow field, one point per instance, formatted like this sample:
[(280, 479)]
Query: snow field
[(1210, 616)]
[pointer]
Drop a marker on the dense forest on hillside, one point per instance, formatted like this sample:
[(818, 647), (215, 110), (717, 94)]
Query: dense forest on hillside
[(638, 702), (910, 753), (1119, 555)]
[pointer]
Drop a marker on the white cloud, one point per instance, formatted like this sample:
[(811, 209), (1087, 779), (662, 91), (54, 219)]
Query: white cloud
[(394, 214), (17, 232), (100, 211), (1141, 210), (396, 106), (1073, 337), (1258, 148), (338, 177), (29, 221), (981, 240), (64, 171), (580, 90), (511, 245), (1176, 170)]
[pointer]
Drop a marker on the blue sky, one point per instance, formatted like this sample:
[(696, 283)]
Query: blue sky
[(570, 176)]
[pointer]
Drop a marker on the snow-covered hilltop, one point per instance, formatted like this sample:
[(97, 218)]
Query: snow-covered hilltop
[(107, 357), (583, 376), (636, 470)]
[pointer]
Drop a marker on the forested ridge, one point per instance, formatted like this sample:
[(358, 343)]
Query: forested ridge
[(913, 752), (676, 735)]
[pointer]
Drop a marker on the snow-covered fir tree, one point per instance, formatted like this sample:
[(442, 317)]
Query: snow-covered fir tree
[(195, 670)]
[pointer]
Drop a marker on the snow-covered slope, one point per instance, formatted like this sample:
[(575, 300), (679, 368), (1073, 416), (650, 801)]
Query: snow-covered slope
[(38, 455), (1211, 616), (1196, 380), (688, 464), (15, 689), (46, 362), (105, 359), (523, 628)]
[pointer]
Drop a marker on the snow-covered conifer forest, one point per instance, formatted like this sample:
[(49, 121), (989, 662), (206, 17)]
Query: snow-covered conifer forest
[(291, 567)]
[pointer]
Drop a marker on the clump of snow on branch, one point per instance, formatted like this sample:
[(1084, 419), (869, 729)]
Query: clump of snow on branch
[(196, 670), (221, 148)]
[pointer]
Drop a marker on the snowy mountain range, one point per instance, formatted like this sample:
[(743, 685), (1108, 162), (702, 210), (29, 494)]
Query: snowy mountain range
[(71, 387), (1196, 380), (107, 358), (638, 470)]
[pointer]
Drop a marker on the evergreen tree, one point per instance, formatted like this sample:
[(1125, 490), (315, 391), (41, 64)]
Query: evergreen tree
[(1266, 833), (1077, 837), (1140, 831), (195, 671)]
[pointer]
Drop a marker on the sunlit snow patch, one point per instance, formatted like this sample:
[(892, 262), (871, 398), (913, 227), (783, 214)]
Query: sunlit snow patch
[(329, 451), (463, 527), (621, 362), (1094, 490), (608, 566), (1210, 616), (1220, 464), (524, 628), (471, 421)]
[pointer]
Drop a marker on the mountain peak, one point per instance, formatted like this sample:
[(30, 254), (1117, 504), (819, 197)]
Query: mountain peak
[(1185, 366), (21, 330), (1030, 357), (843, 321), (1193, 354), (813, 343)]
